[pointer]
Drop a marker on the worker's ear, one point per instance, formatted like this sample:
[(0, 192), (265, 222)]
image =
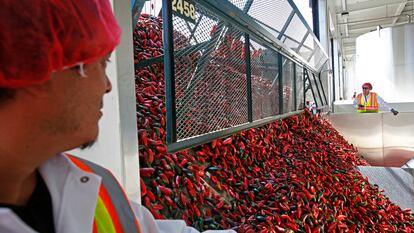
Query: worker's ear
[(46, 89), (36, 91)]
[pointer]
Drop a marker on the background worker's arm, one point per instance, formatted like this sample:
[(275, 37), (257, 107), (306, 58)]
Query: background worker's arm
[(356, 105), (383, 104)]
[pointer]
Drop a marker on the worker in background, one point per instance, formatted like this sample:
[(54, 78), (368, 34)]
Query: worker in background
[(368, 102), (53, 56)]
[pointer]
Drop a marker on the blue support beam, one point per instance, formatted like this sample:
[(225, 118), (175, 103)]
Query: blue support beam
[(169, 72), (249, 78), (247, 6)]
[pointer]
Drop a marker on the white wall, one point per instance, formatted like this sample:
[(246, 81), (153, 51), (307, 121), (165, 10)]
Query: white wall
[(385, 58), (350, 85), (337, 71), (117, 145), (324, 25)]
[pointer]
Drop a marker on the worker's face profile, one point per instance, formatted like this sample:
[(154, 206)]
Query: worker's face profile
[(77, 102)]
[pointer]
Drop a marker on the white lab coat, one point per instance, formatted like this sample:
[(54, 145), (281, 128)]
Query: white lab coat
[(74, 203)]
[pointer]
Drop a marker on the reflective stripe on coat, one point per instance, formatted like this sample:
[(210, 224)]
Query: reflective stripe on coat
[(113, 213)]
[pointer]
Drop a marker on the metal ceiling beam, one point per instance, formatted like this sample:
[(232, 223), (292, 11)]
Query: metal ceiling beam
[(369, 26), (372, 20), (367, 5), (399, 10), (345, 16), (349, 44)]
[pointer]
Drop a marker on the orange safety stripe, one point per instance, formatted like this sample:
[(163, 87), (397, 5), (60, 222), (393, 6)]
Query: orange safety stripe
[(102, 194), (80, 164), (375, 101)]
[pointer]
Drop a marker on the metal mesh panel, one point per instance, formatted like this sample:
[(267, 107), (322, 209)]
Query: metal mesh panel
[(325, 80), (309, 96), (319, 58), (315, 97), (238, 3), (307, 49), (273, 13), (299, 87), (309, 42), (290, 43), (210, 76), (288, 98), (317, 90), (296, 29), (265, 94), (183, 28)]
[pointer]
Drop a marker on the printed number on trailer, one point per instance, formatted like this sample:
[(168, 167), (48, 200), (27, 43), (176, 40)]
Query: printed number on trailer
[(184, 9)]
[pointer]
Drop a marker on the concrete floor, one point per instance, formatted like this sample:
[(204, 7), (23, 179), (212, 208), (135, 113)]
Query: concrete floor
[(397, 183)]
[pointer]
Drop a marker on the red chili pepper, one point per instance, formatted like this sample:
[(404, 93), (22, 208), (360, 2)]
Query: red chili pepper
[(340, 217), (161, 149), (146, 171), (165, 190), (307, 228), (143, 187), (150, 195), (227, 141), (213, 29)]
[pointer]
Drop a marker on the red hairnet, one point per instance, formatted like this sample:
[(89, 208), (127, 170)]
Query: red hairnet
[(38, 37), (367, 85)]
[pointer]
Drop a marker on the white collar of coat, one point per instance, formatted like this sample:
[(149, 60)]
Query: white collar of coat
[(73, 200)]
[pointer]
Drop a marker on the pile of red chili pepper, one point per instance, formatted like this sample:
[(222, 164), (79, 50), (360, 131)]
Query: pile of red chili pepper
[(293, 175)]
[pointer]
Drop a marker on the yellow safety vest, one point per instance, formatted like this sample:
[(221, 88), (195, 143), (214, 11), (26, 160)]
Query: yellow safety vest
[(371, 105)]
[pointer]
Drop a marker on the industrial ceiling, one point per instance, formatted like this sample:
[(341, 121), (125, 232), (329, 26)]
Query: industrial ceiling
[(357, 17)]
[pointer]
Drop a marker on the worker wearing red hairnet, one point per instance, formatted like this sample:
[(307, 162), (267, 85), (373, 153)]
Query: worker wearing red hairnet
[(369, 102), (53, 56)]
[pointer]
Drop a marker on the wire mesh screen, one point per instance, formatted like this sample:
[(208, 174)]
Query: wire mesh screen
[(319, 58), (309, 97), (300, 104), (241, 4), (288, 98), (317, 89), (296, 30), (210, 75), (308, 50), (265, 92), (325, 80), (310, 88), (272, 13), (292, 44), (274, 16)]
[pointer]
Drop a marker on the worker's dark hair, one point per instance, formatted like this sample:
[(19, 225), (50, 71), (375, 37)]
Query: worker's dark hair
[(6, 94)]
